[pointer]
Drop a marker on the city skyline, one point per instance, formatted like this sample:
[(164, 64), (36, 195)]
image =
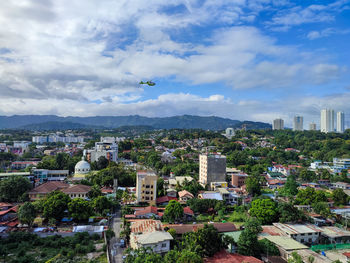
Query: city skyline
[(247, 60)]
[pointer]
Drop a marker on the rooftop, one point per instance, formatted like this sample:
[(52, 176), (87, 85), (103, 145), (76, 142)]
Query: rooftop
[(78, 188), (292, 229), (332, 231), (286, 243), (153, 237), (48, 187), (224, 257)]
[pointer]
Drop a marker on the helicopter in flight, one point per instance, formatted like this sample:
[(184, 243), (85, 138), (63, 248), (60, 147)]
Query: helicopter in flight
[(149, 83)]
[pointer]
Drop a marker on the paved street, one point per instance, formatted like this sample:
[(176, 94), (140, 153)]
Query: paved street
[(116, 250)]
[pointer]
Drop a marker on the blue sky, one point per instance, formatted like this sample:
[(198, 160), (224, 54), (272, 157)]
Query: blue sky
[(242, 59)]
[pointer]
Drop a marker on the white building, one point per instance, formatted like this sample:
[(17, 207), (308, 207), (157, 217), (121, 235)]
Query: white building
[(229, 133), (327, 120), (298, 124), (340, 122), (303, 233), (107, 147), (312, 126), (278, 124), (343, 163)]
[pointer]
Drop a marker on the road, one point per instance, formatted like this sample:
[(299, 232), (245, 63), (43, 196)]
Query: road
[(115, 248)]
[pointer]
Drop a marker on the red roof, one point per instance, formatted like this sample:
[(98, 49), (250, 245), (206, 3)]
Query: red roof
[(347, 254), (107, 190), (12, 209), (146, 210), (224, 257), (78, 188), (165, 199), (49, 187), (3, 204), (182, 229), (188, 211)]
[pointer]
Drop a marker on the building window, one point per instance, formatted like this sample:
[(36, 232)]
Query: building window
[(164, 245)]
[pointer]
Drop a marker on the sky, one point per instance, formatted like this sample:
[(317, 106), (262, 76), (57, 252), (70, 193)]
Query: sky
[(243, 59)]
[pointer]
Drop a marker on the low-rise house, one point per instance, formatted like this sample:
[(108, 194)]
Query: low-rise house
[(164, 200), (5, 206), (178, 180), (303, 233), (184, 196), (238, 179), (149, 234), (286, 245), (20, 165), (188, 213), (341, 185), (77, 191), (171, 192), (147, 212), (8, 215), (43, 175), (224, 257), (89, 229), (44, 189), (216, 185), (210, 195), (275, 183), (335, 235)]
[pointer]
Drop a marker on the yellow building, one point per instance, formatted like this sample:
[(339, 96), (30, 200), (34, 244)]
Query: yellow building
[(146, 187)]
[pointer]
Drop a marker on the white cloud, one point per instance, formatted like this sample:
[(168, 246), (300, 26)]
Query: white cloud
[(326, 33)]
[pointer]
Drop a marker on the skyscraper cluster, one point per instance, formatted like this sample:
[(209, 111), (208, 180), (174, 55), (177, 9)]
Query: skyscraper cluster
[(328, 121)]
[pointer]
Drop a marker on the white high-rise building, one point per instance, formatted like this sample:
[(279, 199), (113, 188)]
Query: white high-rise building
[(298, 124), (340, 122), (278, 124), (312, 126), (327, 120)]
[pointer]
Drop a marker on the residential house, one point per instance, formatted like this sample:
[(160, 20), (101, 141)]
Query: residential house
[(188, 213), (238, 179), (147, 212), (286, 245), (44, 189), (335, 235), (303, 233), (77, 191), (164, 200), (184, 196), (224, 257), (341, 185), (149, 234), (171, 192), (178, 180), (210, 195)]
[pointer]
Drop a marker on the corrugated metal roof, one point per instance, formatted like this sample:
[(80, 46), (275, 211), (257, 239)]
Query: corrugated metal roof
[(286, 243)]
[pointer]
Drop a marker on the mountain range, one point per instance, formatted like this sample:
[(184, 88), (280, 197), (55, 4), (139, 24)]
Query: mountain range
[(53, 122)]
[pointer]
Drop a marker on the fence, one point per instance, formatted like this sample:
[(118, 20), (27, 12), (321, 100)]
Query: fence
[(330, 247)]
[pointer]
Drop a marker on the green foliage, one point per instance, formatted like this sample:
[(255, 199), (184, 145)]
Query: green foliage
[(248, 241), (143, 255), (94, 192), (104, 177), (289, 214), (265, 210), (203, 205), (295, 258), (268, 248), (173, 211), (109, 234), (79, 209), (253, 185), (291, 186), (13, 188), (339, 197), (61, 161), (27, 213), (55, 205), (205, 242), (101, 203), (310, 196), (322, 208), (182, 256)]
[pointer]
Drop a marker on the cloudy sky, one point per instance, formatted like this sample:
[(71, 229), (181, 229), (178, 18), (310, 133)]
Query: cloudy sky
[(241, 59)]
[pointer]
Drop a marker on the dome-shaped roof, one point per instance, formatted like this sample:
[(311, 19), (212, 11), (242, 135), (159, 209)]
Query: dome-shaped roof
[(82, 166)]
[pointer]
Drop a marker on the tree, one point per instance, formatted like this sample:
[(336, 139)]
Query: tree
[(289, 214), (291, 187), (339, 197), (269, 248), (265, 210), (253, 185), (102, 163), (55, 205), (295, 258), (248, 241), (101, 203), (322, 208), (182, 256), (13, 188), (94, 192), (173, 211), (205, 242), (143, 255), (309, 196), (160, 187), (79, 209), (27, 213)]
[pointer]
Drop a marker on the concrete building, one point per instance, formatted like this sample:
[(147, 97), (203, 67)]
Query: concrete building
[(212, 168), (146, 187), (229, 133), (106, 147), (238, 180), (343, 163), (44, 175), (298, 123), (312, 126), (327, 120), (340, 122), (303, 233), (278, 124)]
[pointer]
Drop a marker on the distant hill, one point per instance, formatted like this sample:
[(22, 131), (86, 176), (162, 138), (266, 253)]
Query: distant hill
[(47, 122)]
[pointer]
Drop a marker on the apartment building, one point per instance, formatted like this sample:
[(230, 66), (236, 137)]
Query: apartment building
[(146, 187)]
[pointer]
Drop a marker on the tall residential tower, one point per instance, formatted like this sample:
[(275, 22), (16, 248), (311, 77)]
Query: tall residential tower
[(298, 124), (340, 122), (278, 124), (327, 120)]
